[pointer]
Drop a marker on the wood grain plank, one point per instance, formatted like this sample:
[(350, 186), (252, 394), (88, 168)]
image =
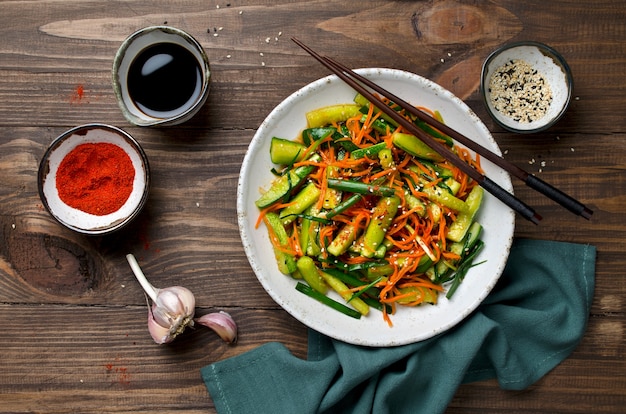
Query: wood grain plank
[(48, 49), (110, 363)]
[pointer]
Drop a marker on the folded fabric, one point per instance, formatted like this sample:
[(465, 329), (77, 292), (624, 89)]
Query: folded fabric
[(531, 321)]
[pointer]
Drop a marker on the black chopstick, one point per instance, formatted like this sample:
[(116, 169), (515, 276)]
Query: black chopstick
[(531, 180), (489, 185)]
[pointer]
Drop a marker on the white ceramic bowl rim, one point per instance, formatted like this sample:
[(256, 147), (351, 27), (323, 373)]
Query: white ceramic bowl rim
[(78, 220), (545, 59)]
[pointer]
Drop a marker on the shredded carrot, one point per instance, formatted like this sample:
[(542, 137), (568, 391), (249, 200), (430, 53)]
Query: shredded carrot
[(362, 173), (323, 184), (326, 236), (380, 174), (273, 207), (277, 244), (426, 110), (294, 240)]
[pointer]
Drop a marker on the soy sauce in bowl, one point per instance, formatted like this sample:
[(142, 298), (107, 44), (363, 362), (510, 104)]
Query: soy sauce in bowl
[(164, 79), (160, 76)]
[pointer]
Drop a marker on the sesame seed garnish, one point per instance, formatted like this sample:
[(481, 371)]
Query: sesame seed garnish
[(519, 92)]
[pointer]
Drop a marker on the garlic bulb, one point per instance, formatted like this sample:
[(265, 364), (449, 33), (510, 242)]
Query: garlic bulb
[(173, 310), (171, 313)]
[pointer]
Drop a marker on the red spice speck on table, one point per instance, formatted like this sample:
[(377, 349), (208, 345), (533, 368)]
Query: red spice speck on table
[(123, 376), (78, 94)]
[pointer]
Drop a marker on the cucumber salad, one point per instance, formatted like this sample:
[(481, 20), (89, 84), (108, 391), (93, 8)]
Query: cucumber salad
[(362, 208)]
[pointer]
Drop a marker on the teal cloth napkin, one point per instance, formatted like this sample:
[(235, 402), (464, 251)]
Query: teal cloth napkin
[(530, 322)]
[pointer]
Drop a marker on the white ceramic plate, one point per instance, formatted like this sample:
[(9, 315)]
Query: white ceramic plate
[(409, 324)]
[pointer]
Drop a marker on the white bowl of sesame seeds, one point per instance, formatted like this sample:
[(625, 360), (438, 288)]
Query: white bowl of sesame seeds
[(526, 86)]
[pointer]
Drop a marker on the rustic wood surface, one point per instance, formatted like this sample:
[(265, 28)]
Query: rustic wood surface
[(73, 318)]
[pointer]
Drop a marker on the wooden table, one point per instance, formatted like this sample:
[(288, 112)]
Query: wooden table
[(73, 318)]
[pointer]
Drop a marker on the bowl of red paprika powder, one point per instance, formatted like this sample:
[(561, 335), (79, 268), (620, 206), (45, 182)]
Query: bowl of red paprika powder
[(94, 179)]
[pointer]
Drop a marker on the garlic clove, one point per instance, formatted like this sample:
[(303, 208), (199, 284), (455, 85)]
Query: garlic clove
[(222, 323), (160, 333), (174, 304)]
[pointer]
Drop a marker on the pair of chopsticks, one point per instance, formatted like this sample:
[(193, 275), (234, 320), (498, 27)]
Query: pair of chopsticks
[(361, 85)]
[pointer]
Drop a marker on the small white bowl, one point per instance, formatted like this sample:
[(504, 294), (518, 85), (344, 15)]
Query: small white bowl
[(549, 66), (131, 49), (79, 220)]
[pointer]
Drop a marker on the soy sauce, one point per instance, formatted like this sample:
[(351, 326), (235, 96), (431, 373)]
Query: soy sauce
[(164, 80)]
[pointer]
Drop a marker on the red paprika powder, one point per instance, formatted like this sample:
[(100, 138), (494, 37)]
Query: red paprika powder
[(96, 178)]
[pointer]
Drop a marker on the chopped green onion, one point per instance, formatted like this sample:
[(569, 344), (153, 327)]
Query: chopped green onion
[(309, 217), (360, 292), (346, 204), (360, 188), (309, 291), (464, 267), (351, 280)]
